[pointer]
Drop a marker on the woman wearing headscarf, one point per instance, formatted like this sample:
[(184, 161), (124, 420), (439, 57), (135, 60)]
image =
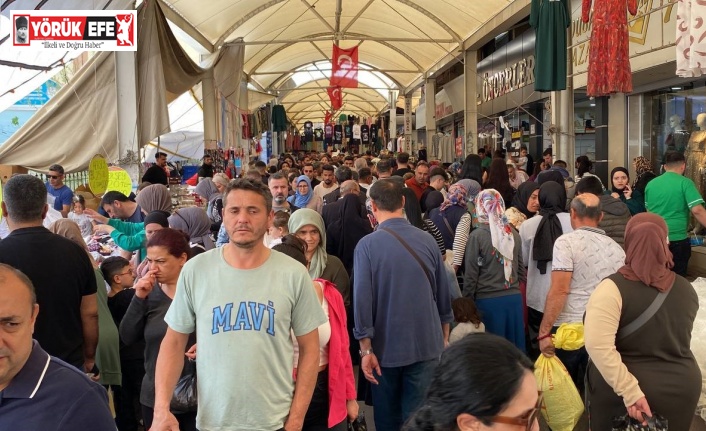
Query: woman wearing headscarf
[(621, 189), (452, 216), (195, 223), (643, 173), (346, 230), (211, 189), (433, 200), (526, 199), (154, 198), (537, 247), (308, 225), (413, 214), (304, 196), (463, 229), (492, 267), (108, 350), (651, 368)]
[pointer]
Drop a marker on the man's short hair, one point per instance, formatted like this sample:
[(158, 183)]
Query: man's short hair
[(560, 164), (113, 196), (252, 186), (254, 175), (402, 158), (384, 165), (349, 185), (387, 194), (344, 173), (57, 168), (23, 279), (523, 147), (673, 158), (584, 211), (328, 168), (276, 176), (159, 154), (589, 184), (364, 173), (547, 152), (354, 175), (351, 158), (113, 266), (421, 163), (25, 197), (481, 150), (260, 164), (438, 172), (308, 164)]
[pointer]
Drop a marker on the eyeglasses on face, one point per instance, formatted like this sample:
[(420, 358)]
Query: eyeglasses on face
[(527, 421), (54, 177)]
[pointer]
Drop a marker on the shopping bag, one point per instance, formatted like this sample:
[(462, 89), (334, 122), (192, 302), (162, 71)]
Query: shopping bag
[(626, 423), (569, 336), (562, 406), (358, 424), (185, 397)]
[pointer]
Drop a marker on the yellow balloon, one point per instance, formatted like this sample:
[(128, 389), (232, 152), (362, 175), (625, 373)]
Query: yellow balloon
[(98, 175), (119, 181)]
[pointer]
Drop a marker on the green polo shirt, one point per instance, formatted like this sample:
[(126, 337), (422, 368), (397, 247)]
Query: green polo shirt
[(485, 163), (672, 196)]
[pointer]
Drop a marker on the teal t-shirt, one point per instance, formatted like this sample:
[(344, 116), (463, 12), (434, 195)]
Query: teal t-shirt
[(672, 196), (243, 320)]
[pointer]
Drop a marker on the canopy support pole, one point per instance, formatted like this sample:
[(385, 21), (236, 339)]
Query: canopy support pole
[(126, 84)]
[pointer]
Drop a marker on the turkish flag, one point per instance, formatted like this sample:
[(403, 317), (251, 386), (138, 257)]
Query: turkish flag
[(327, 117), (336, 96), (344, 67)]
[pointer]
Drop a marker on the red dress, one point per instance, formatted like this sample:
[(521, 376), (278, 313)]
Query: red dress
[(609, 56)]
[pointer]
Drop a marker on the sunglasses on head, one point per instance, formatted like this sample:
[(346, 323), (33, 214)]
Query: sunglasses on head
[(54, 177)]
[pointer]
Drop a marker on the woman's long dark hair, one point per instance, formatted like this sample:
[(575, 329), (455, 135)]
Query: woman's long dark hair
[(499, 179), (412, 209), (471, 169), (478, 375), (583, 165)]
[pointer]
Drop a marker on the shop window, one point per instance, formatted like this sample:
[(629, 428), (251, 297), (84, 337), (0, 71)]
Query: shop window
[(664, 120)]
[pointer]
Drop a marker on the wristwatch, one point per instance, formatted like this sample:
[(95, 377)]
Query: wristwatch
[(364, 353)]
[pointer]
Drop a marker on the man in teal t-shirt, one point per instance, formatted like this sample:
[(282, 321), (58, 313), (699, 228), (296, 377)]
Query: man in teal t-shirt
[(673, 197), (244, 301)]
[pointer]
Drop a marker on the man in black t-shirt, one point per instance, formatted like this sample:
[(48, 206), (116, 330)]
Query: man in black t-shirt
[(60, 270), (206, 170), (156, 174)]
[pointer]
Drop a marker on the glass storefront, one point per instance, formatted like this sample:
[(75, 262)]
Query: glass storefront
[(663, 120)]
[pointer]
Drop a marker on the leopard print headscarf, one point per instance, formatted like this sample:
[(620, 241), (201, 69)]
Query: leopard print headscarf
[(642, 165)]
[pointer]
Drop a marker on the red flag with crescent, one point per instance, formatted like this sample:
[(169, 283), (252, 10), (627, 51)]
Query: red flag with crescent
[(336, 96), (327, 117), (344, 67)]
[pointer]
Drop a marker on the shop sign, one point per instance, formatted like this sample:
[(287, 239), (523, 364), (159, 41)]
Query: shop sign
[(511, 78), (443, 106), (649, 13), (407, 115)]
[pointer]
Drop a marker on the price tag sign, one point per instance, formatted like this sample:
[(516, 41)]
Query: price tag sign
[(98, 175), (119, 181)]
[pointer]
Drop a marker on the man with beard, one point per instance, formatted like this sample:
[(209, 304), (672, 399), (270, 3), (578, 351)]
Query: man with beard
[(243, 310), (328, 183), (279, 189)]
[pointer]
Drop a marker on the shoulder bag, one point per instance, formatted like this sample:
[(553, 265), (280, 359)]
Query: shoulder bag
[(416, 257)]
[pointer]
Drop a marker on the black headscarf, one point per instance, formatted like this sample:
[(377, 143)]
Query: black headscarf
[(550, 175), (552, 200), (618, 169), (433, 200), (522, 196), (344, 233)]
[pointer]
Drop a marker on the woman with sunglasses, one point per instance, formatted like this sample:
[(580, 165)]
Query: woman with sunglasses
[(483, 382)]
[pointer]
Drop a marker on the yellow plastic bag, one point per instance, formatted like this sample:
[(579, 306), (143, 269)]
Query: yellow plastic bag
[(569, 336), (562, 406)]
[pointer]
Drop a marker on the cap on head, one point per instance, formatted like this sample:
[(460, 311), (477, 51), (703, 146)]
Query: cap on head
[(21, 22)]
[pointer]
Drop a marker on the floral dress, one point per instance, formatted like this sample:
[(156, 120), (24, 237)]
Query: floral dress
[(609, 55)]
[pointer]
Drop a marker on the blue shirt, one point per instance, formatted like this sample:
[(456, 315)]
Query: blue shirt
[(394, 303), (50, 395), (62, 196)]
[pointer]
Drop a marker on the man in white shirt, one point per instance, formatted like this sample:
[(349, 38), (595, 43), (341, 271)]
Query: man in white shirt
[(328, 182)]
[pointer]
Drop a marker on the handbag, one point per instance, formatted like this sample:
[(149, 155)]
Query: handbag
[(185, 397), (626, 423), (358, 424)]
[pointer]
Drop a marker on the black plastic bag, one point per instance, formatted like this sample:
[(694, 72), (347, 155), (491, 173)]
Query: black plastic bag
[(358, 424), (185, 397), (626, 423)]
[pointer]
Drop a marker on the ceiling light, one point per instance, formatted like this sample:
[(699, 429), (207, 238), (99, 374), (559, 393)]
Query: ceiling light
[(676, 88), (593, 104)]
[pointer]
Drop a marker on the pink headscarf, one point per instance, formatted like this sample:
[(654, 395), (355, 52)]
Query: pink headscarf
[(647, 255)]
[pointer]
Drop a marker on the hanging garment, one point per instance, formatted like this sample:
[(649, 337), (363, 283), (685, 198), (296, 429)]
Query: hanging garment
[(279, 118), (609, 55), (365, 134), (691, 38), (550, 19)]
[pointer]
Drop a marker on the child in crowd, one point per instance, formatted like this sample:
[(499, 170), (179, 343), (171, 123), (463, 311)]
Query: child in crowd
[(279, 228), (120, 276), (84, 222), (467, 319)]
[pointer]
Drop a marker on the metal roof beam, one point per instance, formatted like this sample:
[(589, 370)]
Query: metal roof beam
[(438, 21), (318, 15), (344, 37), (328, 69), (355, 18), (245, 19)]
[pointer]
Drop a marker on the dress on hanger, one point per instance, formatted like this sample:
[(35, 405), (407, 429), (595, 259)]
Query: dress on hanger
[(609, 56), (691, 38), (550, 19)]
